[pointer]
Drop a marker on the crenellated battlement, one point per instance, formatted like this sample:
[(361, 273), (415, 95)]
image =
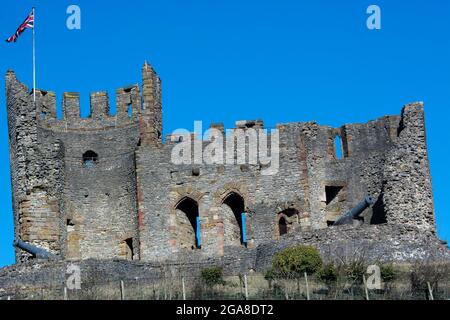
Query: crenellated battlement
[(132, 107), (128, 109)]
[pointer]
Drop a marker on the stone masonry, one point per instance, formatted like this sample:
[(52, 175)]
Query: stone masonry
[(105, 187)]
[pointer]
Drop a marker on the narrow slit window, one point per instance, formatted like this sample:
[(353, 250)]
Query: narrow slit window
[(130, 110), (338, 147), (129, 248)]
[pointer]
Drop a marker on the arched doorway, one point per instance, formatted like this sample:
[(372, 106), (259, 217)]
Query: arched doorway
[(232, 209), (188, 224)]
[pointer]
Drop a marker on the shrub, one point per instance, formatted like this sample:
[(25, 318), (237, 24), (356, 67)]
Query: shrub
[(212, 276), (295, 261), (355, 271), (388, 272), (432, 272), (328, 273), (270, 274)]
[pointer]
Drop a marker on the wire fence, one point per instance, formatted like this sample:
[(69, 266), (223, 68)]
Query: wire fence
[(239, 287)]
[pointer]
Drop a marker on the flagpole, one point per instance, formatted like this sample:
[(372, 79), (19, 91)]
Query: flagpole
[(34, 58)]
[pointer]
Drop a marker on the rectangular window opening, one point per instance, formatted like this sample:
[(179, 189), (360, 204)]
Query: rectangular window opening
[(338, 147), (332, 192), (130, 110)]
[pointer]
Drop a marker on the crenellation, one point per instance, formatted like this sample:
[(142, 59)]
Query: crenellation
[(45, 106), (218, 126), (128, 112), (71, 107), (128, 104), (247, 124), (99, 106)]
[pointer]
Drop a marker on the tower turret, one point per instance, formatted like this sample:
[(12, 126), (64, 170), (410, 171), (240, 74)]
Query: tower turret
[(151, 116)]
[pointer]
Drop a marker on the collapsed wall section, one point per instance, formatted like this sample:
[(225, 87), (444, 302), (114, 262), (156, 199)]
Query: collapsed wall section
[(408, 196)]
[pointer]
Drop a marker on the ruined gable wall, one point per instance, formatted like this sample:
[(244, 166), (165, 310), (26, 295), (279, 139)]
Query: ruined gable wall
[(408, 197)]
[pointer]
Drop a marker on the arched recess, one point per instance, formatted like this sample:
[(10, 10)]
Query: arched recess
[(232, 208), (187, 220), (287, 221)]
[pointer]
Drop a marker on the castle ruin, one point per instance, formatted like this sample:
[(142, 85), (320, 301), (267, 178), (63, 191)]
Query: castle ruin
[(104, 187)]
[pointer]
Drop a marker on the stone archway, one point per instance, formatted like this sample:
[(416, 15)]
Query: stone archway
[(231, 211), (187, 224)]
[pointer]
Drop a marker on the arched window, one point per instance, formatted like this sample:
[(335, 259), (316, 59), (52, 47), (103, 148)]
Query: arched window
[(188, 224), (233, 208), (90, 158)]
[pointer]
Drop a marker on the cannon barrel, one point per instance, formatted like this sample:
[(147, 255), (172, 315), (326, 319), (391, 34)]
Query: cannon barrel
[(38, 253), (355, 212)]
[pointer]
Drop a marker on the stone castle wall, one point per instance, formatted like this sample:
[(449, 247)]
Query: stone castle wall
[(106, 187)]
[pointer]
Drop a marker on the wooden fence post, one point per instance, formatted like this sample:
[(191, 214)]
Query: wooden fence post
[(365, 287), (307, 287), (245, 287), (122, 290), (430, 291), (184, 288)]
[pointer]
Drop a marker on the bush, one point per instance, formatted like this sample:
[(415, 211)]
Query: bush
[(424, 272), (328, 273), (270, 274), (212, 276), (355, 271), (388, 273), (295, 261)]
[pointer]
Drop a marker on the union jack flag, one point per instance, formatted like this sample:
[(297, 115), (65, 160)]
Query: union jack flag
[(27, 24)]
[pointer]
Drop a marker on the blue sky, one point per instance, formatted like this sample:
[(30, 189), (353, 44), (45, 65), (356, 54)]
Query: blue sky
[(219, 60)]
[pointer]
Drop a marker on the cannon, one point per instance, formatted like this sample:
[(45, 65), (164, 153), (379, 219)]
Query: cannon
[(355, 212), (38, 253)]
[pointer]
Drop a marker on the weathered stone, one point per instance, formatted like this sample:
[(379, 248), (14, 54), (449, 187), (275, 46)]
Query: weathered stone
[(105, 187)]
